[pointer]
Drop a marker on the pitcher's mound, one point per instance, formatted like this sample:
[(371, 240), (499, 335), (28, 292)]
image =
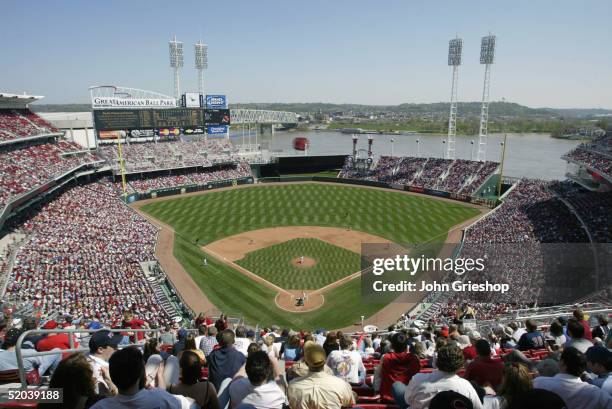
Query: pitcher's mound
[(305, 262)]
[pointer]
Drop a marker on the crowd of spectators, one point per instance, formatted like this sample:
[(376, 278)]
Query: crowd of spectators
[(25, 168), (530, 213), (594, 208), (596, 154), (594, 160), (147, 182), (453, 176), (20, 123), (82, 257), (210, 363), (168, 154)]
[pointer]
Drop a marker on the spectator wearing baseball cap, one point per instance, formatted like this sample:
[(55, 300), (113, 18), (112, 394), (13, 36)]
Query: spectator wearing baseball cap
[(55, 340), (450, 400), (102, 345), (8, 357), (599, 363), (532, 339), (318, 389)]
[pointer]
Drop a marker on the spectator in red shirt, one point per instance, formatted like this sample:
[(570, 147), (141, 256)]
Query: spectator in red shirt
[(579, 315), (397, 366), (469, 352), (51, 341), (483, 370), (129, 321)]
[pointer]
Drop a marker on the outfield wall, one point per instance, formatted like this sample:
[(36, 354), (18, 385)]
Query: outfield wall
[(392, 186), (179, 190)]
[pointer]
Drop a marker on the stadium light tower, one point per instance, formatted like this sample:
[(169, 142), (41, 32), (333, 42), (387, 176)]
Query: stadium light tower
[(201, 63), (176, 63), (455, 49), (487, 54)]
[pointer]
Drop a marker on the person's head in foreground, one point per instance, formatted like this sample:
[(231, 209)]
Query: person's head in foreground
[(314, 356), (103, 343), (227, 338), (599, 360), (399, 342), (258, 368), (75, 376), (450, 400), (516, 380), (450, 359), (572, 362), (191, 367), (127, 370)]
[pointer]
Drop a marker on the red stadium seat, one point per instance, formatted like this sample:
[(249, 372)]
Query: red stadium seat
[(17, 405)]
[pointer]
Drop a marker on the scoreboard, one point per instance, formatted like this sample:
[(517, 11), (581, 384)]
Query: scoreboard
[(128, 119)]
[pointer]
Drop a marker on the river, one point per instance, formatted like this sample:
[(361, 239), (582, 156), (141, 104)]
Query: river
[(527, 155)]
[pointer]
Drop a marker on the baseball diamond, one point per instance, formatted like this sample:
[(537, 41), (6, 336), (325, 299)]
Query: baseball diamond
[(201, 221)]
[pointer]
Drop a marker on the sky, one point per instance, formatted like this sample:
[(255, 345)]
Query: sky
[(550, 53)]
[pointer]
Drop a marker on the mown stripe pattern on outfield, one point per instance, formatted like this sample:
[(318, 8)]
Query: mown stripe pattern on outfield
[(400, 218), (274, 263)]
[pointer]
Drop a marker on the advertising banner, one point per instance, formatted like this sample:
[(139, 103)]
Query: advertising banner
[(216, 102), (194, 131), (113, 102), (142, 133), (111, 134), (169, 132), (217, 130)]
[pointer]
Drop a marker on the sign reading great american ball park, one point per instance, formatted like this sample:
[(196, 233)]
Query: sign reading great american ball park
[(114, 102)]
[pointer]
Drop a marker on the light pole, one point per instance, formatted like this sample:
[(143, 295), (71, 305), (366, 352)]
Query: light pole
[(501, 169), (418, 149), (472, 153), (487, 55), (392, 151), (455, 49)]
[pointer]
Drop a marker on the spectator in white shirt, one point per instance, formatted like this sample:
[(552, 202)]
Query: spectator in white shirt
[(423, 387), (568, 385), (517, 332), (241, 342), (346, 363), (102, 345), (259, 389), (127, 370), (576, 331)]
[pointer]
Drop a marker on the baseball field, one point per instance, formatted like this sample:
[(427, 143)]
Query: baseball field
[(267, 245)]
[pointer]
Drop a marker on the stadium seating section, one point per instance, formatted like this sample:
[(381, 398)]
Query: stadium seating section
[(453, 176), (21, 123)]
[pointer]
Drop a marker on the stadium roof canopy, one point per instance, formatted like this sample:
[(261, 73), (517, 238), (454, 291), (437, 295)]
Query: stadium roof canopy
[(124, 92), (15, 101)]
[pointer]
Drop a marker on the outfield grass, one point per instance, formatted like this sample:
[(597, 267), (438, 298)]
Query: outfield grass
[(274, 263), (202, 219), (398, 217)]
